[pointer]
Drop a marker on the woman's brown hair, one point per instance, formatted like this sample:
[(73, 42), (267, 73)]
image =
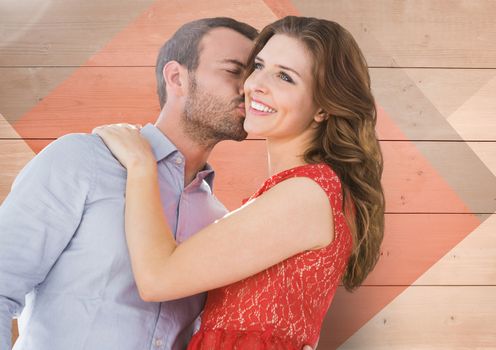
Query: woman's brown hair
[(346, 140)]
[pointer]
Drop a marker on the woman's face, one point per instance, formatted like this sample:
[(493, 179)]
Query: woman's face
[(279, 98)]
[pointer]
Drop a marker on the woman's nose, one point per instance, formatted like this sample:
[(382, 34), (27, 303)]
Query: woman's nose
[(256, 82)]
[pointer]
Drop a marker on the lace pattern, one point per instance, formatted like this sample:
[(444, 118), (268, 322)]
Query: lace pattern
[(284, 306)]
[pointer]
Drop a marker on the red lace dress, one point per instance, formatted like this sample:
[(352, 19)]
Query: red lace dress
[(283, 307)]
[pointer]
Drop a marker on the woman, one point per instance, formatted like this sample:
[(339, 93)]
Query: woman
[(273, 265)]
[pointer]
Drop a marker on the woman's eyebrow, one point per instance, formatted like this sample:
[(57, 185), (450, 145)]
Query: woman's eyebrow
[(280, 66), (290, 69)]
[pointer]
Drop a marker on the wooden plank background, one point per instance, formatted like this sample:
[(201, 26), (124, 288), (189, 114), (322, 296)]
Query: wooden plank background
[(66, 66)]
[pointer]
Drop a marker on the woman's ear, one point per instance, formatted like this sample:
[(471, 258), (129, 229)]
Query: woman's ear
[(321, 116), (175, 77)]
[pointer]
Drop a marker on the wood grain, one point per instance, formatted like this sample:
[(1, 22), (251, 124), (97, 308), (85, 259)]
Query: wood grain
[(471, 262), (431, 317), (13, 156), (411, 184), (391, 33), (437, 104), (418, 104), (22, 88), (15, 331), (83, 36), (61, 33), (67, 66), (423, 33)]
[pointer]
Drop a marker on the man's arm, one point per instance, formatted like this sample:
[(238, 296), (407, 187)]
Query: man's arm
[(38, 218)]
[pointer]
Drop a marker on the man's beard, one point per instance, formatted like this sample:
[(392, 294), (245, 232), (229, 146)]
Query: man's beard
[(208, 118)]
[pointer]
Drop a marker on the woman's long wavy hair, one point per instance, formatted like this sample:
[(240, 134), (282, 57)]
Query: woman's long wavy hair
[(346, 140)]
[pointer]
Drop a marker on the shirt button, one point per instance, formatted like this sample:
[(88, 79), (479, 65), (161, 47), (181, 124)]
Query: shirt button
[(158, 343), (179, 160)]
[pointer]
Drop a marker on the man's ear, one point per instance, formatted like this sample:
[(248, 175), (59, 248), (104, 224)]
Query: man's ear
[(175, 77), (320, 116)]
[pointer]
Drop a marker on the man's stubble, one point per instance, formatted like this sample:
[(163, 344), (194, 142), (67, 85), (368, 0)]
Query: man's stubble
[(209, 119)]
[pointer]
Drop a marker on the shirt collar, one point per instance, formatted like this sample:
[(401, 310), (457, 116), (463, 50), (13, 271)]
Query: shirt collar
[(208, 175), (162, 148)]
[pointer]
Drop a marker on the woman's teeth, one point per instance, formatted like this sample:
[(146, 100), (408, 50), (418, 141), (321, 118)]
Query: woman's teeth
[(262, 108)]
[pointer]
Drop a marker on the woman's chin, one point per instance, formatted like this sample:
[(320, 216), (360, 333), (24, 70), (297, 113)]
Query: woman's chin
[(253, 130), (254, 133)]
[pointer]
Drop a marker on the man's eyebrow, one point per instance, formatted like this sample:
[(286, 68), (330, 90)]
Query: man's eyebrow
[(234, 61), (278, 65)]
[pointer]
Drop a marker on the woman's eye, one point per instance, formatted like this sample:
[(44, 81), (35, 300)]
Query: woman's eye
[(257, 65), (234, 72), (285, 77)]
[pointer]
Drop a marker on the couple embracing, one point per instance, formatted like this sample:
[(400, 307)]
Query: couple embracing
[(110, 240)]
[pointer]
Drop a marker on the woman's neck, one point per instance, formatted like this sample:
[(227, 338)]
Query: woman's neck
[(284, 154)]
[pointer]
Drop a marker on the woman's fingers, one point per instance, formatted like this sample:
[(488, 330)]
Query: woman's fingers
[(126, 143), (119, 127)]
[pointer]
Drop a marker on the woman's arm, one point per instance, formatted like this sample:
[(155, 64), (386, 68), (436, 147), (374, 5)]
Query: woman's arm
[(292, 217)]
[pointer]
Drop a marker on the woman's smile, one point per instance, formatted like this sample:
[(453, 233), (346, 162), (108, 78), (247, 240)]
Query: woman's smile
[(260, 108)]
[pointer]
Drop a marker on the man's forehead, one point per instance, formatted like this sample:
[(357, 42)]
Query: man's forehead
[(224, 46)]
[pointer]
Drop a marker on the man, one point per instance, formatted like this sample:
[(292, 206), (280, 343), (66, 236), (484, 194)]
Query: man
[(62, 242)]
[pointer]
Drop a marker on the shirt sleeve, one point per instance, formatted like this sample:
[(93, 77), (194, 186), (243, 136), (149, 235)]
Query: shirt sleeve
[(38, 219)]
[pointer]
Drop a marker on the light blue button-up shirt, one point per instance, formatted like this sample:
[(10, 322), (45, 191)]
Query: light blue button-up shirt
[(63, 256)]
